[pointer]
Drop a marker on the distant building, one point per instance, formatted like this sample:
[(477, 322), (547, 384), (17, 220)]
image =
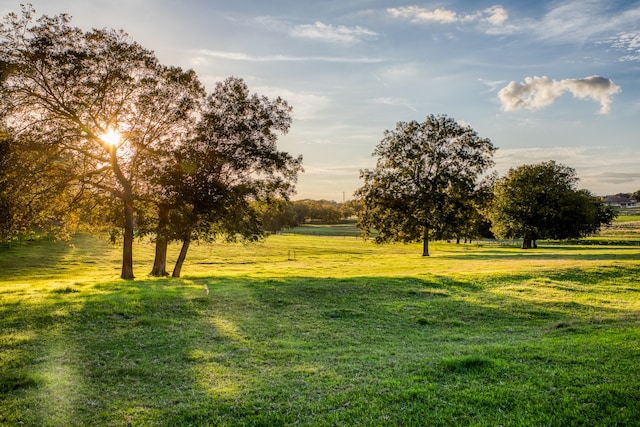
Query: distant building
[(621, 202)]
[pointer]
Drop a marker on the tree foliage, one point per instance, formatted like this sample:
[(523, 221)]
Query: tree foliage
[(219, 179), (278, 215), (541, 202), (325, 211), (34, 193), (424, 179)]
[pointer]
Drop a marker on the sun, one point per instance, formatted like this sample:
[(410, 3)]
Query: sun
[(111, 137)]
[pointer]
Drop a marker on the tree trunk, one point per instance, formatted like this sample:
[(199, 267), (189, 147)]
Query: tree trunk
[(127, 248), (160, 261), (127, 197), (425, 242), (535, 244), (526, 243), (183, 254)]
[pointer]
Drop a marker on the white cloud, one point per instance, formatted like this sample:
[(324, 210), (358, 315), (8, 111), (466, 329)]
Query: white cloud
[(628, 42), (338, 34), (495, 15), (578, 20), (305, 105), (333, 34), (395, 102), (492, 85), (241, 56), (401, 72), (539, 92), (418, 14)]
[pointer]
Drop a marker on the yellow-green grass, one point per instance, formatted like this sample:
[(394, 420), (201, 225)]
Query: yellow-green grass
[(319, 331), (627, 218)]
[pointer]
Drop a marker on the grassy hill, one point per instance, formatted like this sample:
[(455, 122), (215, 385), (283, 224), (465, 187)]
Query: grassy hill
[(319, 331)]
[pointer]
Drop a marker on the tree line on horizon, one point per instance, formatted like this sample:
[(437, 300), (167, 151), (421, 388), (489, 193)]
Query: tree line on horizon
[(97, 134)]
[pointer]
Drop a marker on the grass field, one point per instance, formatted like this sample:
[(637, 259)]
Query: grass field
[(315, 330)]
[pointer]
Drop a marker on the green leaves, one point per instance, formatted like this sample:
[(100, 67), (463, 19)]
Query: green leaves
[(540, 202), (424, 180)]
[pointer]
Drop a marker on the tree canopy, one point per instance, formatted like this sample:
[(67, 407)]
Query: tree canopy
[(425, 175), (219, 179), (541, 201)]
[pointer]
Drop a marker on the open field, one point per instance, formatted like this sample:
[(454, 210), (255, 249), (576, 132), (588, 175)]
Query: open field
[(321, 331), (625, 229)]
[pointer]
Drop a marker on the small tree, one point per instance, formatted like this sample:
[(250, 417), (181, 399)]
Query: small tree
[(422, 170), (541, 202)]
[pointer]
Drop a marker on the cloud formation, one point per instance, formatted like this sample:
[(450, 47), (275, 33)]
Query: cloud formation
[(245, 57), (628, 42), (495, 15), (580, 20), (332, 34), (394, 102), (539, 92)]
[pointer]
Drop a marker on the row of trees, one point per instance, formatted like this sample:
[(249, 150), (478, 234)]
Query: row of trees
[(431, 181), (96, 131), (294, 213)]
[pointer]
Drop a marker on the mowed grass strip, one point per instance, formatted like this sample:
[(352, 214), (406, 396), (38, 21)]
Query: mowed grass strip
[(320, 331)]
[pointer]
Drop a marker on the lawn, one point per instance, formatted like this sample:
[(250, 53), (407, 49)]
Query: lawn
[(320, 331)]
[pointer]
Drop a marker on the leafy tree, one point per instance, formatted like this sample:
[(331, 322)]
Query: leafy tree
[(422, 170), (34, 193), (232, 168), (351, 208), (467, 214), (64, 90), (278, 215), (541, 202)]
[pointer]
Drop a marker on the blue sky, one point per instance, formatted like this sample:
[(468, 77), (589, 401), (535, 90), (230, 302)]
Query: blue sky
[(543, 80)]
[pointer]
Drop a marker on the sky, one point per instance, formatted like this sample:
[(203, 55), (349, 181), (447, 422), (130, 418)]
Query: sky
[(543, 80)]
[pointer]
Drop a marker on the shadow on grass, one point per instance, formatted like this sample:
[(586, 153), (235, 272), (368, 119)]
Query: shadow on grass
[(311, 351), (620, 253), (33, 257)]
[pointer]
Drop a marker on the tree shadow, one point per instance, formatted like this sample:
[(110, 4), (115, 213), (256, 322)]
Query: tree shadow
[(33, 258), (269, 351), (620, 253)]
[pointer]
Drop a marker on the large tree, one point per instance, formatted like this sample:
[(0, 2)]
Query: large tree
[(540, 201), (220, 182), (98, 103), (422, 171)]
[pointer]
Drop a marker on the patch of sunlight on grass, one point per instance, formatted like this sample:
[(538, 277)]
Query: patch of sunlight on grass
[(211, 371), (60, 394), (16, 338), (228, 329)]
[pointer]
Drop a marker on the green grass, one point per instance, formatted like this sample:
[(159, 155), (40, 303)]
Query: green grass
[(345, 228), (627, 218), (342, 333)]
